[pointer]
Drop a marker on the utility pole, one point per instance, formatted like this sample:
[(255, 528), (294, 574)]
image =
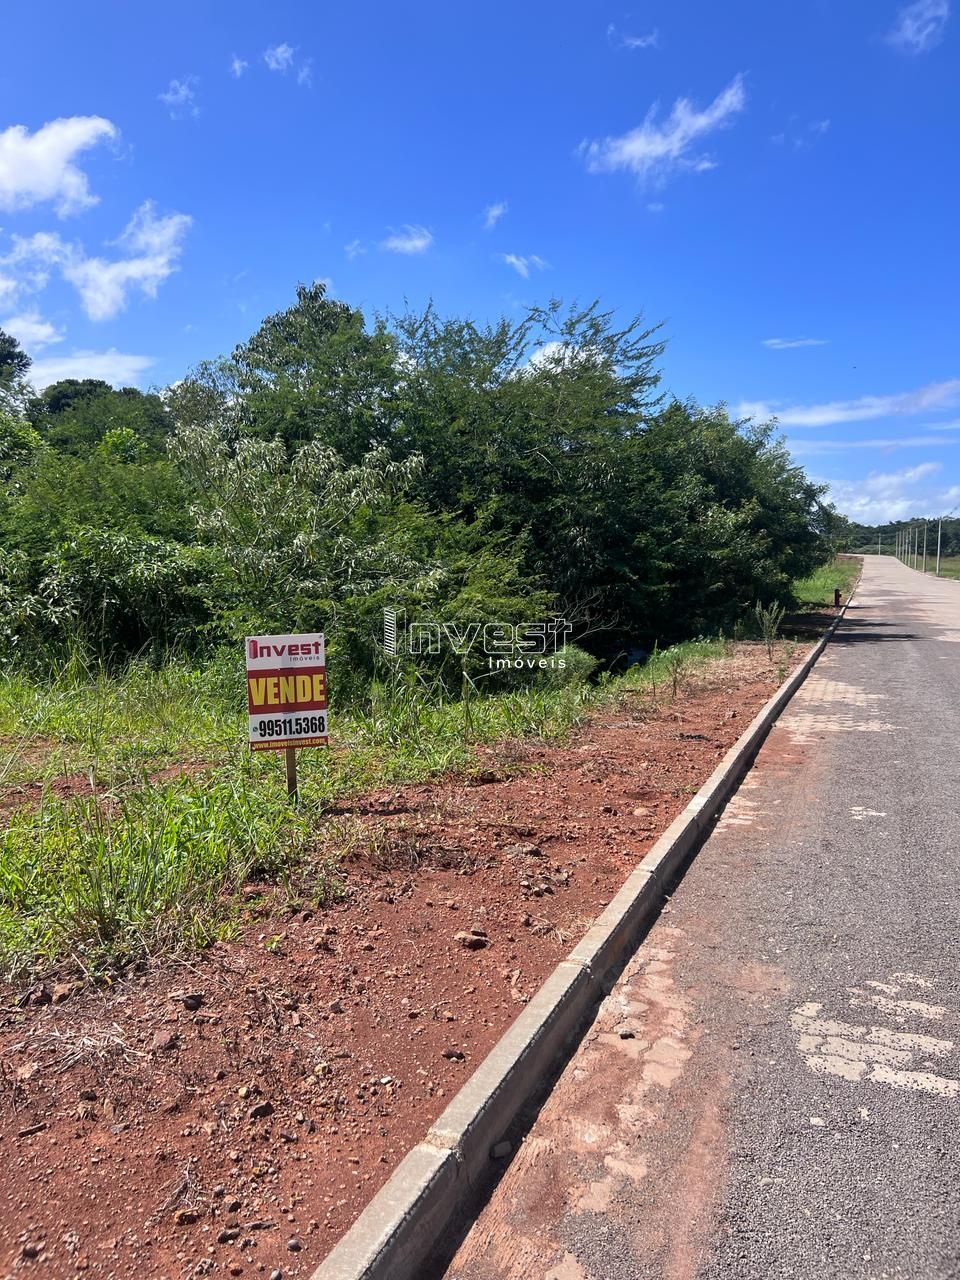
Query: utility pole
[(924, 546), (939, 532)]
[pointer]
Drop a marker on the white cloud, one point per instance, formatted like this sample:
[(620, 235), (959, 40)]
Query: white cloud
[(920, 26), (305, 73), (802, 136), (8, 288), (653, 151), (115, 367), (32, 331), (38, 167), (655, 206), (354, 249), (409, 239), (522, 265), (554, 356), (279, 57), (787, 344), (493, 213), (181, 98), (237, 66), (153, 246), (624, 41), (892, 495), (937, 395), (882, 444)]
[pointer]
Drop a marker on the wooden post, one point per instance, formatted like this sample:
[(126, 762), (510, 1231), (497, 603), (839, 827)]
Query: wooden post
[(292, 788)]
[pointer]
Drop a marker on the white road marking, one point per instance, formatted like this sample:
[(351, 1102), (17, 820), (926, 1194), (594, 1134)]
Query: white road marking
[(932, 1012), (878, 1055)]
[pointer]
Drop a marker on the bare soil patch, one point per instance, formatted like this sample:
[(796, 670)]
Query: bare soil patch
[(231, 1115)]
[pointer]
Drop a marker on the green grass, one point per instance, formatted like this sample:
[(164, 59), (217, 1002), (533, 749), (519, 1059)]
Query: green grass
[(147, 863), (949, 565), (819, 587)]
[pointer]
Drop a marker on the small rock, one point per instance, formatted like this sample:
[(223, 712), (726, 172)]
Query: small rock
[(261, 1111), (186, 1217), (453, 1055), (228, 1235), (192, 1000), (64, 990), (88, 1095), (294, 1245), (471, 941), (626, 1034), (523, 851), (276, 1274), (163, 1041)]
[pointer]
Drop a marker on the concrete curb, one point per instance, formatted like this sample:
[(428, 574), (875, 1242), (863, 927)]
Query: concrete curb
[(410, 1215)]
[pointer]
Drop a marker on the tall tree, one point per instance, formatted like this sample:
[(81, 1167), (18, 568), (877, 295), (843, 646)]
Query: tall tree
[(14, 367)]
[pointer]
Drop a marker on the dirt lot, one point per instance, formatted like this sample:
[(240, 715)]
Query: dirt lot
[(233, 1114)]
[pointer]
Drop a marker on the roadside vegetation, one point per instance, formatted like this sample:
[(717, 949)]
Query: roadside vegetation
[(327, 470), (817, 588)]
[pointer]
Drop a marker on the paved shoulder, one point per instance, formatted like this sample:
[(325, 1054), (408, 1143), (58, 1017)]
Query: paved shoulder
[(773, 1087)]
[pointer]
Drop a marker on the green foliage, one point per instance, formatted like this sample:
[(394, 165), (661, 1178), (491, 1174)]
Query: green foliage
[(769, 618), (74, 416), (454, 472), (107, 878), (818, 587), (14, 367), (149, 862)]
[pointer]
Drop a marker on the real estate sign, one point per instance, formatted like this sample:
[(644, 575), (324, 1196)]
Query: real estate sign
[(287, 692)]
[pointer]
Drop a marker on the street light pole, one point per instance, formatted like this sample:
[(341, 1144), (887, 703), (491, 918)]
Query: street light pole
[(924, 546), (939, 532)]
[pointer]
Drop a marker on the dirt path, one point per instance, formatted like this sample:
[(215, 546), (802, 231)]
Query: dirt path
[(232, 1115)]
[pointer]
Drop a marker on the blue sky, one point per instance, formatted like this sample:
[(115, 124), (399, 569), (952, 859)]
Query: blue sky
[(776, 182)]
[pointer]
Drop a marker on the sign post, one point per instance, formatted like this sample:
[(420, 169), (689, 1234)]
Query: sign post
[(287, 696)]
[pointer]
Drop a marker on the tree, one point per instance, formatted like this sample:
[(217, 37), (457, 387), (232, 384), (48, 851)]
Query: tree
[(315, 372), (14, 366), (74, 415)]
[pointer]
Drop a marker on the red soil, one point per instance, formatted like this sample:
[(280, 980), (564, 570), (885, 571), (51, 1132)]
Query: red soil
[(232, 1115)]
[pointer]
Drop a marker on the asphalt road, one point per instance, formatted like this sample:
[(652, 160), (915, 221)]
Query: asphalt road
[(773, 1087)]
